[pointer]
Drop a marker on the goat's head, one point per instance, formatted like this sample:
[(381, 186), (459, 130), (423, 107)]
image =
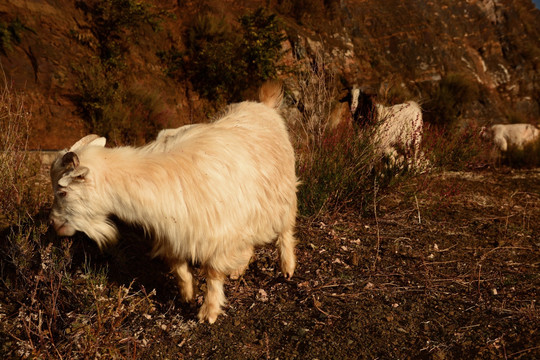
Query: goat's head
[(485, 133), (74, 208)]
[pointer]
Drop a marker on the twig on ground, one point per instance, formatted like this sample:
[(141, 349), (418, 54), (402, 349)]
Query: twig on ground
[(375, 188), (418, 209)]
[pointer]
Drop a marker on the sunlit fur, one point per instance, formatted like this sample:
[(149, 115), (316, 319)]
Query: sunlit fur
[(208, 194), (505, 136)]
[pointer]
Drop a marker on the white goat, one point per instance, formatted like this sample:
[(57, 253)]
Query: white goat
[(506, 136), (399, 128), (208, 197)]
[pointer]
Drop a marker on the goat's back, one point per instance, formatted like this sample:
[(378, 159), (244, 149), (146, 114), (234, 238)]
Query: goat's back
[(238, 175), (400, 123)]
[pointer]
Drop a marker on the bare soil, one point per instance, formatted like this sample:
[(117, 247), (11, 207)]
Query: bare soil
[(445, 268)]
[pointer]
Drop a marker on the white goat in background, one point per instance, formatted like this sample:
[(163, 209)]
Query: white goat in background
[(208, 196), (506, 136), (399, 128)]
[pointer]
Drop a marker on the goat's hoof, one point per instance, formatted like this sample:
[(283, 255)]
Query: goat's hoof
[(187, 293), (288, 271), (208, 313), (237, 274), (187, 297)]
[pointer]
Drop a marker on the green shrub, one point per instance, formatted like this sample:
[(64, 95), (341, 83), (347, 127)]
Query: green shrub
[(337, 174), (10, 34), (446, 105), (310, 11), (222, 61), (396, 94), (116, 23), (455, 149), (335, 166), (514, 117), (261, 44), (527, 157), (212, 62), (125, 115)]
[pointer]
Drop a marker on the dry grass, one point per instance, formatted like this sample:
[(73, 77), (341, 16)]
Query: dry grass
[(335, 163), (57, 309), (21, 193)]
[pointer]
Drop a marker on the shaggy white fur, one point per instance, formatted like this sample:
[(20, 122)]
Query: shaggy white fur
[(397, 129), (400, 128), (208, 193)]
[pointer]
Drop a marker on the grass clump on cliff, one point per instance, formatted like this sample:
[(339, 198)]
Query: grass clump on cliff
[(10, 35), (450, 98)]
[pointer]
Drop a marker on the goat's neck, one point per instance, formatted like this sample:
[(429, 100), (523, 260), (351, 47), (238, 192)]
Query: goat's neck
[(137, 184)]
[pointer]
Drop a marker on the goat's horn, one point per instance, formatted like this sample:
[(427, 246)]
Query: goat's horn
[(70, 159)]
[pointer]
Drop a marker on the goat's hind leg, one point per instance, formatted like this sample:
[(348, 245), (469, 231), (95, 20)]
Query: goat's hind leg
[(286, 243)]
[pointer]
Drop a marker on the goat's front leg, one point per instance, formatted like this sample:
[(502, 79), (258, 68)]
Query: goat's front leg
[(215, 296), (184, 277)]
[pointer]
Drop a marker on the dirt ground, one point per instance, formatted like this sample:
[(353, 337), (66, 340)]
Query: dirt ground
[(445, 268)]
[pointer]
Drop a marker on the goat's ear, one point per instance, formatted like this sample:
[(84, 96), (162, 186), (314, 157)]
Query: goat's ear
[(92, 139), (78, 175), (65, 180)]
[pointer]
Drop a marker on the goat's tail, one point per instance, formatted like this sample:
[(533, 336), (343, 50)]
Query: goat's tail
[(271, 94)]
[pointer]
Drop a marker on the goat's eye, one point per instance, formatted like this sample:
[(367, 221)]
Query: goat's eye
[(61, 193)]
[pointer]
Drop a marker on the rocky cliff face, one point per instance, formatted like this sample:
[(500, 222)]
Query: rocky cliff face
[(408, 44)]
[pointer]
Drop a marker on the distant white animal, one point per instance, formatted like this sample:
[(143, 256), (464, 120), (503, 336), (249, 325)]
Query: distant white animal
[(208, 193), (398, 128), (506, 136)]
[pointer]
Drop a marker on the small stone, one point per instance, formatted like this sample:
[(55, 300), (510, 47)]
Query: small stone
[(262, 296)]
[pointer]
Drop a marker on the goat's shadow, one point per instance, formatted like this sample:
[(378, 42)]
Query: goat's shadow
[(128, 263)]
